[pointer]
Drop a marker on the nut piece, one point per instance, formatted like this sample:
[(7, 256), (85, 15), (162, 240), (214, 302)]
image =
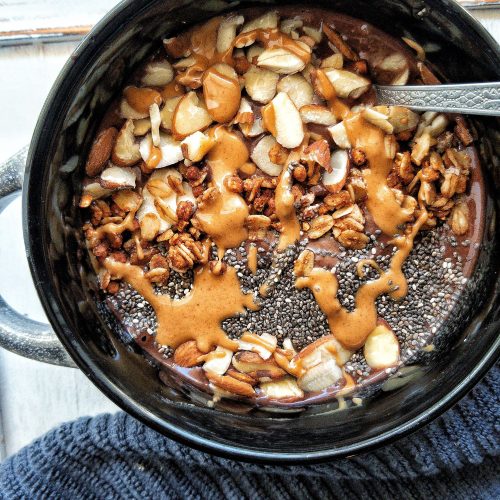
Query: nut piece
[(127, 200), (141, 99), (266, 21), (129, 113), (100, 151), (335, 180), (232, 385), (289, 26), (227, 32), (252, 363), (171, 151), (187, 354), (314, 113), (142, 127), (260, 156), (298, 89), (381, 348), (282, 119), (460, 218), (335, 61), (117, 178), (346, 83), (158, 74), (320, 226), (402, 119), (126, 151), (196, 146), (167, 112), (352, 239), (378, 119), (304, 264), (260, 84), (221, 91), (280, 61), (190, 115), (285, 388), (219, 361), (339, 135)]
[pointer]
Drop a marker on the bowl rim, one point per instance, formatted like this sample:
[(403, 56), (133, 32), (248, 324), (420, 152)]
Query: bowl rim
[(78, 61)]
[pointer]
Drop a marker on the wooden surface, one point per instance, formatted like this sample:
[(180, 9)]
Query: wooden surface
[(35, 397)]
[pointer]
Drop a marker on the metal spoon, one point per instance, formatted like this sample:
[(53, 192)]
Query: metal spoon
[(468, 98)]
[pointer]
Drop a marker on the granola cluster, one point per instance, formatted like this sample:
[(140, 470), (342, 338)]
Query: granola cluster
[(269, 81)]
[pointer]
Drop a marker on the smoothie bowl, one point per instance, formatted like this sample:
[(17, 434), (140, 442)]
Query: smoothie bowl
[(242, 249)]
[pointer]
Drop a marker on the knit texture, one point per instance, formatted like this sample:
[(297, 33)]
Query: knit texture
[(115, 456)]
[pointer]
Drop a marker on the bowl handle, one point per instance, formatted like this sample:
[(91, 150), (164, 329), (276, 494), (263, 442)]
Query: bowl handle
[(18, 333)]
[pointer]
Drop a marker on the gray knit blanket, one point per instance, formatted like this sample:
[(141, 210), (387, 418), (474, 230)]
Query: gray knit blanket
[(115, 456)]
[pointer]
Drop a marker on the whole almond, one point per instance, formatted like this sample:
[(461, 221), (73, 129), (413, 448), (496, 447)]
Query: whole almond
[(100, 151), (187, 354)]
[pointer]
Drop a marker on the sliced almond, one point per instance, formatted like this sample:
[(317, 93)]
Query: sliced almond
[(346, 83), (227, 31), (221, 91), (126, 150), (100, 151), (314, 113), (335, 61), (401, 118), (188, 354), (196, 146), (268, 20), (190, 115), (421, 148), (282, 119), (286, 388), (253, 364), (280, 61), (147, 215), (381, 348), (339, 135), (298, 89), (158, 74), (338, 44), (320, 377), (114, 177), (397, 64), (335, 180), (260, 156), (219, 361), (141, 98), (93, 191), (231, 385), (260, 84), (167, 112), (378, 119), (155, 118)]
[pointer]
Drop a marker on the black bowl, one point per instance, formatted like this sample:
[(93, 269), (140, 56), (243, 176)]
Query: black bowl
[(66, 285)]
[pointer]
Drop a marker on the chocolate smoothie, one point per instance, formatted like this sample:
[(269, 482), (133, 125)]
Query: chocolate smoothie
[(262, 228)]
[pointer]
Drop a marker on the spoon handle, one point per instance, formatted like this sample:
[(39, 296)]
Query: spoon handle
[(468, 98)]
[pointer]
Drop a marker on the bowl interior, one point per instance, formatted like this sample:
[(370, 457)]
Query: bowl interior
[(66, 284)]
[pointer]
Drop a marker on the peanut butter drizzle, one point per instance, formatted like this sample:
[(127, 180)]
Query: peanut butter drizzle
[(381, 202), (112, 228), (201, 42), (327, 90), (198, 315), (285, 210), (223, 218), (252, 258), (352, 328)]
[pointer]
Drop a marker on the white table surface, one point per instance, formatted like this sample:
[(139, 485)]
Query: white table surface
[(35, 397)]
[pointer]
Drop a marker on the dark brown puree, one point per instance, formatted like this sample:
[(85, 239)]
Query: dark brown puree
[(372, 45)]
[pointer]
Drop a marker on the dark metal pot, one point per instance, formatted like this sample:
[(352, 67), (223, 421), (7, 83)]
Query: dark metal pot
[(464, 52)]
